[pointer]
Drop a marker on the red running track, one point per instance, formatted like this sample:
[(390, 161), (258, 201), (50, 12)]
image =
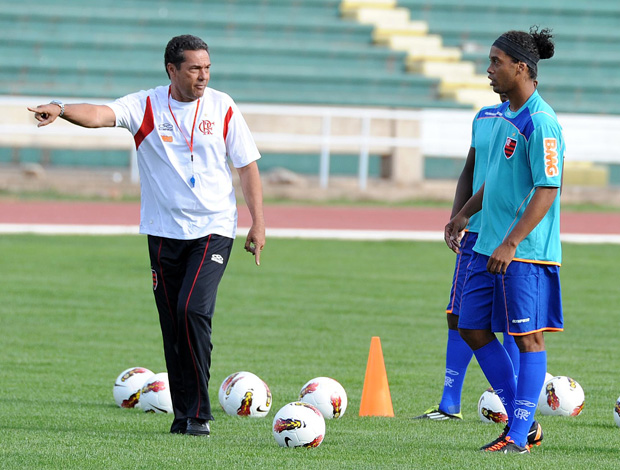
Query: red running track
[(282, 216)]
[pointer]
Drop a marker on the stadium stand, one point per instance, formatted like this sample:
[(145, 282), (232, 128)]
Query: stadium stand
[(379, 53), (271, 51), (584, 75), (426, 52), (304, 52)]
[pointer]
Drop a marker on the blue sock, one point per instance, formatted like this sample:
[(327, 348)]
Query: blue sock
[(529, 384), (513, 351), (458, 356), (497, 367)]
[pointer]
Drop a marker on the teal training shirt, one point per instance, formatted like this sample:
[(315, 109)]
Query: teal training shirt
[(481, 131), (526, 151)]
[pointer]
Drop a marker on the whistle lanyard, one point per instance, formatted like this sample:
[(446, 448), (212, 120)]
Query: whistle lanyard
[(190, 142)]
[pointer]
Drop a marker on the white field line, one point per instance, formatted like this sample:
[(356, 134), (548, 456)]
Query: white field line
[(326, 234)]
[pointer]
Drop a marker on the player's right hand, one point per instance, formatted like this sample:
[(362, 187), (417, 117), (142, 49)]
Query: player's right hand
[(453, 233)]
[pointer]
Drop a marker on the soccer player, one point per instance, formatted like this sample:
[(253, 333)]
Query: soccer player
[(512, 284), (183, 133), (458, 353)]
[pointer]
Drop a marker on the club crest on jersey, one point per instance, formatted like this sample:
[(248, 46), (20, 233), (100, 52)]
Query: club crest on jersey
[(206, 127), (509, 147)]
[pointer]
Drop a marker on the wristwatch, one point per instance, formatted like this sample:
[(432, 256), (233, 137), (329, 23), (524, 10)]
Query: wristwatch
[(62, 106)]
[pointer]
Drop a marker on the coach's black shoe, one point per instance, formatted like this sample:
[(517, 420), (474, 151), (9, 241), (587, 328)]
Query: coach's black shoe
[(198, 427), (178, 426)]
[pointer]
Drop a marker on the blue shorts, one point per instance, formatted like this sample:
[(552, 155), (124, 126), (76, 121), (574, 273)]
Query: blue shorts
[(525, 300), (460, 269)]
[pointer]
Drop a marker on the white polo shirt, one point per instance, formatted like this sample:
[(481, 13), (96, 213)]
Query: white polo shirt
[(182, 199)]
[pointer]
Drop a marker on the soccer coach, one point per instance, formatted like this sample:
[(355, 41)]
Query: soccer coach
[(183, 134)]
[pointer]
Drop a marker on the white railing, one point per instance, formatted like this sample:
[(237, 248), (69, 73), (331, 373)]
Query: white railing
[(326, 140), (433, 132)]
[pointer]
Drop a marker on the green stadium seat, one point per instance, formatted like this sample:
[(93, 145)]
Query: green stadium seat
[(293, 51), (584, 74), (263, 51)]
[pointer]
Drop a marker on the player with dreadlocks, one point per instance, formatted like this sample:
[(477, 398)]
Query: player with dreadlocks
[(512, 284)]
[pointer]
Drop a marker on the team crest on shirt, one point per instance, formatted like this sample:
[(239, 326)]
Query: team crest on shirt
[(510, 146), (206, 127)]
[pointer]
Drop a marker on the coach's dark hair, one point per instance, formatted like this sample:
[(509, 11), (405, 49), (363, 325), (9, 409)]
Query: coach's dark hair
[(178, 45), (537, 43)]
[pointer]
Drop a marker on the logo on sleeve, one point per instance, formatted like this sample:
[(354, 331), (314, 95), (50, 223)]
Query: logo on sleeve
[(551, 157), (510, 146)]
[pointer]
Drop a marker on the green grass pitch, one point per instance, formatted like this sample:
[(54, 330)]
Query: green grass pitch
[(76, 311)]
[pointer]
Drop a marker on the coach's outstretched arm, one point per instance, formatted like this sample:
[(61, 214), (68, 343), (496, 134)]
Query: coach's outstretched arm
[(82, 114)]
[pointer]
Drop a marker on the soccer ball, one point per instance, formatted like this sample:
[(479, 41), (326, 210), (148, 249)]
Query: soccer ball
[(327, 395), (491, 409), (299, 424), (543, 391), (245, 394), (128, 385), (155, 395), (617, 412), (563, 397)]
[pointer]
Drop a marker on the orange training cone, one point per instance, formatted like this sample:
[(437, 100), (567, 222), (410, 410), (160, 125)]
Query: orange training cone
[(376, 399)]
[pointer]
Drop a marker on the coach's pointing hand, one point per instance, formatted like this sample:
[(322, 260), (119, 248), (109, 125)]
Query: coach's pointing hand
[(45, 113)]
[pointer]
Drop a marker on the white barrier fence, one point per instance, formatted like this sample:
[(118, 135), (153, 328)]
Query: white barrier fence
[(405, 136)]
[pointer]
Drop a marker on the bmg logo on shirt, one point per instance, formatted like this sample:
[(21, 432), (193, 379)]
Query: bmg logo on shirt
[(551, 157)]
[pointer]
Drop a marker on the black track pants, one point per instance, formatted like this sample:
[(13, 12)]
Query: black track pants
[(186, 275)]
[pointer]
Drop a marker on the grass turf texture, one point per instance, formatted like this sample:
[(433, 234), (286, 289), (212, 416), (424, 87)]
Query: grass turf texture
[(76, 311)]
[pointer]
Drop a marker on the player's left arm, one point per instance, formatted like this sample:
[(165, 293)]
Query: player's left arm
[(251, 186), (534, 212)]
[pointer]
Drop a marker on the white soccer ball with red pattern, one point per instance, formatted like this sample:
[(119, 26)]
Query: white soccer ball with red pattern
[(490, 408), (299, 424), (155, 394), (617, 412), (128, 385), (327, 395), (562, 396), (543, 390), (245, 394)]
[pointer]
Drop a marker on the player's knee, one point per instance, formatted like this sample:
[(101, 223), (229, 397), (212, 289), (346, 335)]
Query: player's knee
[(453, 321), (534, 342), (476, 339)]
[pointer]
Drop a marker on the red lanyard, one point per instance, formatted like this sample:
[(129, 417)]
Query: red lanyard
[(190, 143)]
